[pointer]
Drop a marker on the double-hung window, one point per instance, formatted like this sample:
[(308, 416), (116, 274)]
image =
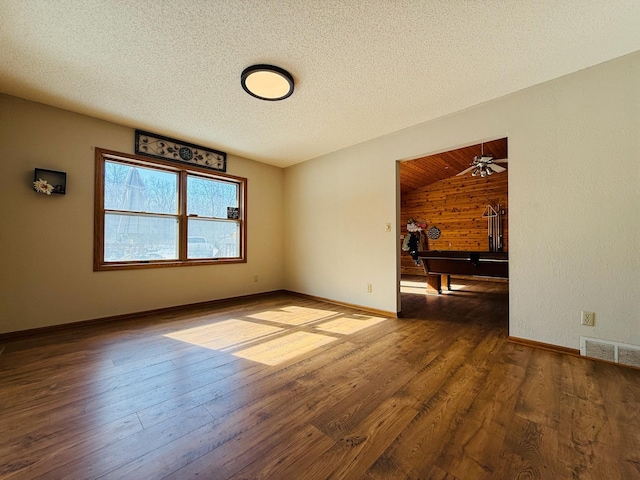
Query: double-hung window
[(153, 213)]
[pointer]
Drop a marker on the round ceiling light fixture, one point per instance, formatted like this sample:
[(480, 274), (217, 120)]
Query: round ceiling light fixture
[(267, 82)]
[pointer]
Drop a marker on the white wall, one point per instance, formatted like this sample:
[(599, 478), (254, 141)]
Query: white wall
[(574, 197), (46, 243)]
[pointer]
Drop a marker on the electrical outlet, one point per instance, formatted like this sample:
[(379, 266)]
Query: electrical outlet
[(369, 288), (587, 318), (387, 227)]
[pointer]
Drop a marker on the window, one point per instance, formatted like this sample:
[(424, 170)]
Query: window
[(152, 213)]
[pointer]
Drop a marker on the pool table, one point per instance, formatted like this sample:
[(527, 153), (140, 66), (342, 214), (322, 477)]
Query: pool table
[(444, 263)]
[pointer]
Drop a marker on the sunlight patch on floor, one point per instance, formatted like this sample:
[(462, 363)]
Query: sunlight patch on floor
[(278, 350), (272, 344), (293, 315), (414, 290), (347, 325), (224, 335), (410, 283), (420, 288)]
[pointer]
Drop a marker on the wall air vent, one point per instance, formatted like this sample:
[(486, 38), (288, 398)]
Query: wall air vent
[(611, 351)]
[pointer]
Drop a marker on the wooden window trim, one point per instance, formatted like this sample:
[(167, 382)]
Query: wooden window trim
[(102, 155)]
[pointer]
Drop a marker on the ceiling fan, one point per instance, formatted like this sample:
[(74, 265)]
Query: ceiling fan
[(483, 165)]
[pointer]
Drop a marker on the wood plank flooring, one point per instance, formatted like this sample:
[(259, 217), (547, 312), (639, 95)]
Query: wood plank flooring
[(284, 387)]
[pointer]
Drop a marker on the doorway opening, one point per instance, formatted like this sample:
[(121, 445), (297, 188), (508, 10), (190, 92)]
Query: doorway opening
[(454, 209)]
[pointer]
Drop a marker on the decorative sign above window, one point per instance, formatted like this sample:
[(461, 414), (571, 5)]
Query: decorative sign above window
[(165, 148)]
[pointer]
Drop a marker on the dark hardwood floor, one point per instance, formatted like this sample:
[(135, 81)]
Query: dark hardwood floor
[(284, 387)]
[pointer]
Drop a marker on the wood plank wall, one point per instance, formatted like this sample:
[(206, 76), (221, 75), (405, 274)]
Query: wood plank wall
[(455, 205)]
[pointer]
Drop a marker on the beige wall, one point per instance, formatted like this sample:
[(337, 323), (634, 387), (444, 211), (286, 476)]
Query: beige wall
[(46, 243), (574, 197)]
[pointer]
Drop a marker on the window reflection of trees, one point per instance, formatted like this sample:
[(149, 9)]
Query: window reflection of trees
[(140, 236), (210, 198)]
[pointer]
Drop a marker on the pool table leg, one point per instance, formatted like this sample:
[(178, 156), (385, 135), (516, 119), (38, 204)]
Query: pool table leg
[(434, 284)]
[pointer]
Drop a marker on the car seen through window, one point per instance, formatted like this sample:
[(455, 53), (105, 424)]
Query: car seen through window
[(199, 247)]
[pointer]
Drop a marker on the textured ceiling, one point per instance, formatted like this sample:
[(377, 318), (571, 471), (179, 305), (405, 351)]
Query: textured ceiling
[(362, 68)]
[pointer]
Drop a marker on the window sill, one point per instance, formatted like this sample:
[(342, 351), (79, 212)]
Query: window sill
[(164, 264)]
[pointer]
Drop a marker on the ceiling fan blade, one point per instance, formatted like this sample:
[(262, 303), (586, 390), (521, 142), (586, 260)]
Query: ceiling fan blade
[(502, 160), (497, 168), (467, 170)]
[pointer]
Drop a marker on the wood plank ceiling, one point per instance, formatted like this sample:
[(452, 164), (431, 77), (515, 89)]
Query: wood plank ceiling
[(424, 171)]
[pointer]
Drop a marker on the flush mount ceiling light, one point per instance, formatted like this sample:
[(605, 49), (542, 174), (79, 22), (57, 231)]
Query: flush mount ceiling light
[(267, 82)]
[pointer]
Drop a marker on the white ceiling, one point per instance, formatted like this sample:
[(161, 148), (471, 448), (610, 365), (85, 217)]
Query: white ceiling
[(362, 68)]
